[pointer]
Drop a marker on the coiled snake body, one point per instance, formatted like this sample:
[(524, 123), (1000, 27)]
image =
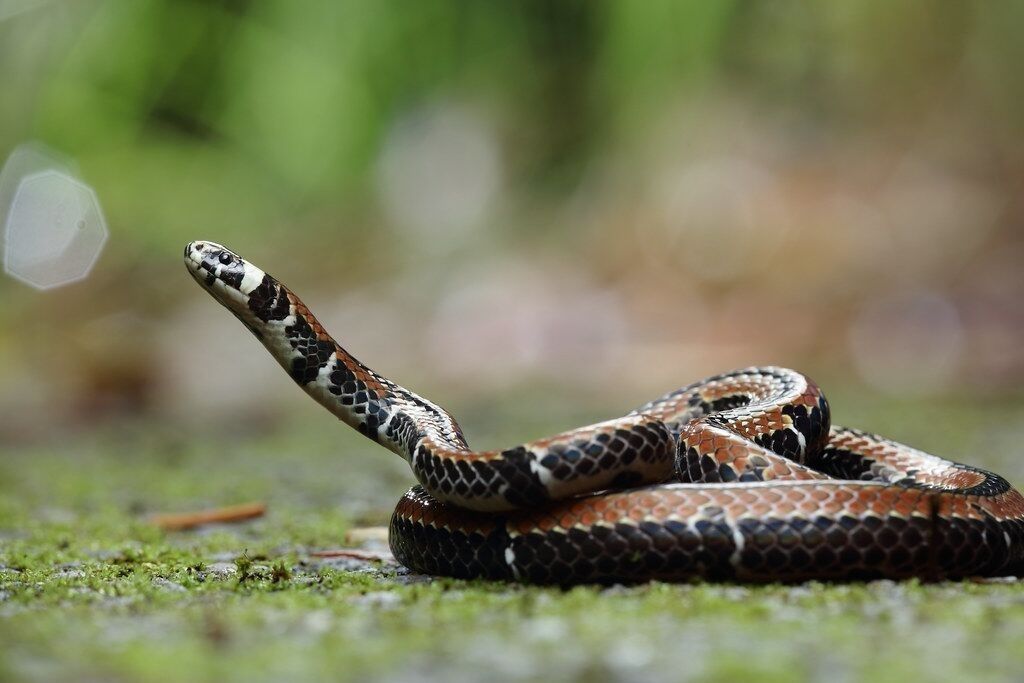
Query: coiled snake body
[(739, 476)]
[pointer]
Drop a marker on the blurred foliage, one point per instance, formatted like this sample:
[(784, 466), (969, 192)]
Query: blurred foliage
[(267, 125), (243, 114)]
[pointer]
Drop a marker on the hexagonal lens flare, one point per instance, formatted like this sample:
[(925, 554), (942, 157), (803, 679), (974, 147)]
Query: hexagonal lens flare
[(54, 229)]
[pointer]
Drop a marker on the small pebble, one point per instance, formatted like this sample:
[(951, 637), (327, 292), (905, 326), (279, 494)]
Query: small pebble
[(405, 577), (222, 570), (168, 585), (69, 574)]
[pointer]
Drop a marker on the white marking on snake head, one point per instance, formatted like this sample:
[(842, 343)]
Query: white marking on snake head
[(252, 279)]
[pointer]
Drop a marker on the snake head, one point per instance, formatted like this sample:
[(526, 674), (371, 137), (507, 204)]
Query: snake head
[(228, 278), (217, 268), (245, 290)]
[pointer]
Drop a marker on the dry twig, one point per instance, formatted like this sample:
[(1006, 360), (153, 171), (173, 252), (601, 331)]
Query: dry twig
[(191, 520)]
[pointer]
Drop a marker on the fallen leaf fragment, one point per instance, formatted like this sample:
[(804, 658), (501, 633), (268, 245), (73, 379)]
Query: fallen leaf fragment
[(355, 554), (191, 520)]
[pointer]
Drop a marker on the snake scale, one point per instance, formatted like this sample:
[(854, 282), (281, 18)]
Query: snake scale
[(737, 477)]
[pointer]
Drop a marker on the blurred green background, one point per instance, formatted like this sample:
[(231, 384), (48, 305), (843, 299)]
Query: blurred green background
[(567, 202), (539, 215)]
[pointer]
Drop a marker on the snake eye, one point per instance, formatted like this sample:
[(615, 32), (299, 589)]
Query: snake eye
[(225, 258)]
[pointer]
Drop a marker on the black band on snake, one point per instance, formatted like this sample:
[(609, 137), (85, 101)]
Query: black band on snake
[(738, 477)]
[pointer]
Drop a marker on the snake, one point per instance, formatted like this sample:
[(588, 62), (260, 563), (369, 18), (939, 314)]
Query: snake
[(737, 477)]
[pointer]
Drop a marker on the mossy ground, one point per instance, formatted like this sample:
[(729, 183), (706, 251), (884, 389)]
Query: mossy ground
[(90, 591)]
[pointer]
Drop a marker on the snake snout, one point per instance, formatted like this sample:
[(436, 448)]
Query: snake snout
[(193, 247), (196, 253)]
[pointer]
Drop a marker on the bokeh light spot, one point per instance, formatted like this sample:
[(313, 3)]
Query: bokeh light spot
[(54, 228), (929, 208), (719, 220), (909, 344), (438, 173)]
